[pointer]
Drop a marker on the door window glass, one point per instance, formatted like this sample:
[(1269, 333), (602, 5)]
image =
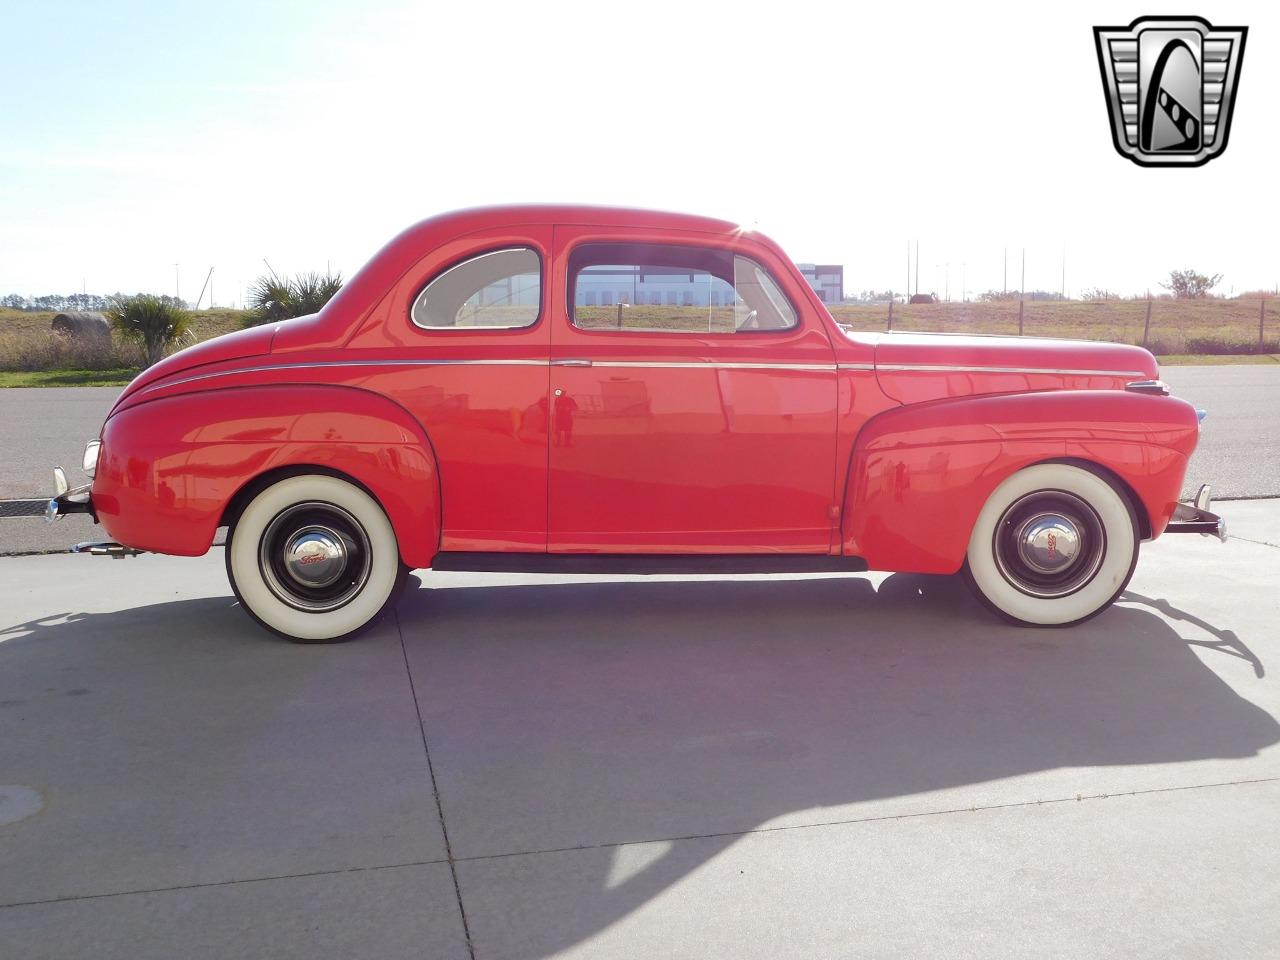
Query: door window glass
[(673, 289)]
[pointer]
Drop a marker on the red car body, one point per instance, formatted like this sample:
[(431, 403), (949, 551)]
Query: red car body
[(554, 439)]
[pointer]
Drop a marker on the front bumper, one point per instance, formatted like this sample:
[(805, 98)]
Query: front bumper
[(1194, 516)]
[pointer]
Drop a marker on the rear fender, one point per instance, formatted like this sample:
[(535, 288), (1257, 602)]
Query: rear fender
[(169, 468), (920, 474)]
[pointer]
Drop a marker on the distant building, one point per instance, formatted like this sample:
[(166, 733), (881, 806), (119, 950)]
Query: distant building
[(827, 280), (605, 286)]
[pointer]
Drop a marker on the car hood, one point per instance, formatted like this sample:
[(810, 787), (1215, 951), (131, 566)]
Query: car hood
[(917, 367)]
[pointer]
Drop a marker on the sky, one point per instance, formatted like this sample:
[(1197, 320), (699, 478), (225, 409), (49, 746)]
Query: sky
[(137, 136)]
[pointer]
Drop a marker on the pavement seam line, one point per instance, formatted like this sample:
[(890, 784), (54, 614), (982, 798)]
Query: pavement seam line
[(1261, 543), (219, 883), (435, 790), (627, 843), (1079, 798)]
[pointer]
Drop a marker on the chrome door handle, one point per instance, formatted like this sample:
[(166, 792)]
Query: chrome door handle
[(574, 362)]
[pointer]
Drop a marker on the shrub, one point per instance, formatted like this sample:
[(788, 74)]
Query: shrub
[(1217, 345), (39, 350), (273, 298), (151, 322)]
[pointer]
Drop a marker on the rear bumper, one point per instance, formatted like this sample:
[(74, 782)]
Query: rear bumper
[(64, 501), (1195, 517)]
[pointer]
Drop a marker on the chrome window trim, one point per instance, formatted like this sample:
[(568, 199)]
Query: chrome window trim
[(413, 307)]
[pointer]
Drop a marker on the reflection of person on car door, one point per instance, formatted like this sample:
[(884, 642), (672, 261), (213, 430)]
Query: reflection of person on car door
[(566, 409)]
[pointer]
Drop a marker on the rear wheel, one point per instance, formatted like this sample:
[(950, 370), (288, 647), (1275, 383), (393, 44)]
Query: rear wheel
[(314, 559), (1055, 544)]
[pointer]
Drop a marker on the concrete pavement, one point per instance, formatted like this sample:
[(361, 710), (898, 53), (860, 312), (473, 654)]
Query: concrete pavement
[(689, 767), (1239, 449)]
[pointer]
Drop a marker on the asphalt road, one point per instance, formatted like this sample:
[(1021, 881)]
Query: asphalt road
[(1239, 449), (747, 768)]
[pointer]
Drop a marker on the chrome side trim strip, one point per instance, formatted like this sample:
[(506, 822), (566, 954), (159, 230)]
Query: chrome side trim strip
[(654, 364), (348, 363), (949, 368), (659, 365), (639, 364)]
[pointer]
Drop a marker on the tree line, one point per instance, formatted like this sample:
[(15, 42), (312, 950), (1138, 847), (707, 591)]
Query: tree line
[(61, 303)]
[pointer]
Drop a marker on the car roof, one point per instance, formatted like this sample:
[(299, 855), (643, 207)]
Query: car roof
[(578, 214)]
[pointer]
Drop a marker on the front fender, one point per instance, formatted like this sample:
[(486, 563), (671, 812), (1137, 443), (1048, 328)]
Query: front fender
[(920, 474), (168, 468)]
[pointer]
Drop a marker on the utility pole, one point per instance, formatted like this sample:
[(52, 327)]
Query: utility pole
[(908, 288), (1022, 291), (176, 294), (917, 266), (947, 288), (1006, 271)]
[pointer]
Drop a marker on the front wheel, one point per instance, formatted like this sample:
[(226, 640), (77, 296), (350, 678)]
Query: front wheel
[(1054, 545), (314, 559)]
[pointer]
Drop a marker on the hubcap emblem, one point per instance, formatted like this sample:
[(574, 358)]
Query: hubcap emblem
[(1049, 542), (315, 557)]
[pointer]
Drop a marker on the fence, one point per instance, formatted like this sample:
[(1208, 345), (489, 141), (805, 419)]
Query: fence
[(1164, 326)]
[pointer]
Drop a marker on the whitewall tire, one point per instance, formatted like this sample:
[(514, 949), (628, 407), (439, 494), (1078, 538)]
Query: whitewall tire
[(1055, 544), (314, 558)]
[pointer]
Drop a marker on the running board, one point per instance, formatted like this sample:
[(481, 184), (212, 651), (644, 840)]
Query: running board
[(645, 563)]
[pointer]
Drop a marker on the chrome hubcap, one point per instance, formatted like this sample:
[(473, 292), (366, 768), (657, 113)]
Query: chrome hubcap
[(1049, 544), (314, 557)]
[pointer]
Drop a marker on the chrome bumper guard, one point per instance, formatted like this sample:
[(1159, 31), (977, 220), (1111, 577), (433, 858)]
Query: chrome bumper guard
[(1195, 517), (68, 499), (65, 500)]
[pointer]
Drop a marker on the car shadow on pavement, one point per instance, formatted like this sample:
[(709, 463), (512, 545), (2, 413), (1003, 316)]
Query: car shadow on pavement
[(567, 719)]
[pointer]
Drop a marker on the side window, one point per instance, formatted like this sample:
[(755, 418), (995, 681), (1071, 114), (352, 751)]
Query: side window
[(501, 289), (674, 289)]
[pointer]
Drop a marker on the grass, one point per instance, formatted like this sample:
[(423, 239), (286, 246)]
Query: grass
[(67, 378), (31, 356), (1182, 332), (1177, 326), (1216, 359), (204, 323)]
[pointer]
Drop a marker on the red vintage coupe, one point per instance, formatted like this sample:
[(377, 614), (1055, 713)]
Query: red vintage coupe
[(592, 389)]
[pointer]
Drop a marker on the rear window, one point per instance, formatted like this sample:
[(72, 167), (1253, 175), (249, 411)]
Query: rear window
[(501, 289)]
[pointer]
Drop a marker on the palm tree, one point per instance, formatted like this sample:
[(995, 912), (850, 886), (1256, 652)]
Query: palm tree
[(273, 298), (154, 323)]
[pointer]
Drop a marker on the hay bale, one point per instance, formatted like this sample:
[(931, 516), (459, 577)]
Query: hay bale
[(81, 325)]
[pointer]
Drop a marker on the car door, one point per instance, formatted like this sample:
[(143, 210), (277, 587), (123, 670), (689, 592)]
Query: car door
[(693, 398), (469, 324)]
